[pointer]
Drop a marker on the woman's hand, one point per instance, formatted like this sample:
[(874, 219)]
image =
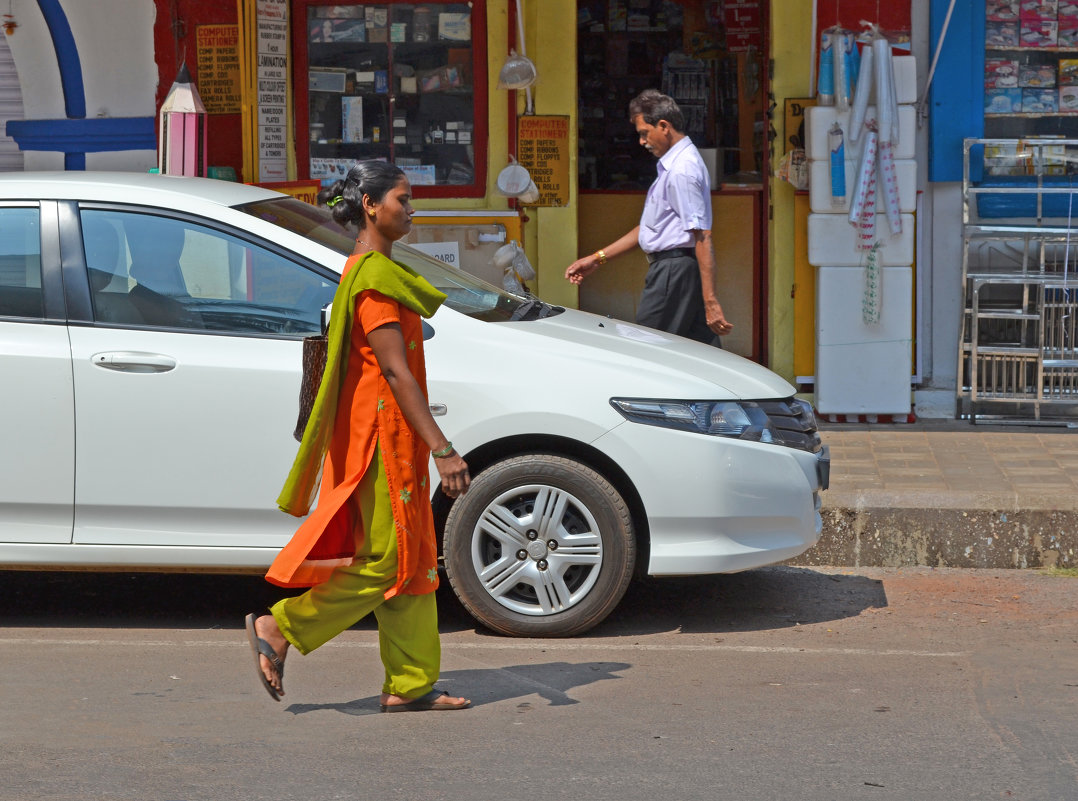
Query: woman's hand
[(453, 472)]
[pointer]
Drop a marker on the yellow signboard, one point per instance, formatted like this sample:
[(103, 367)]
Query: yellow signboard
[(543, 147), (219, 67)]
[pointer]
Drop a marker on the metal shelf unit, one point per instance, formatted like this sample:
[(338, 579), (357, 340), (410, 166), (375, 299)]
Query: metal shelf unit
[(1018, 342)]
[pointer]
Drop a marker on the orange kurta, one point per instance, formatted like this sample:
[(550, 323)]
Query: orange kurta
[(367, 413)]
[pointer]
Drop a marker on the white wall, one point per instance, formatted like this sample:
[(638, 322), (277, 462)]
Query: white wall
[(939, 256), (114, 39)]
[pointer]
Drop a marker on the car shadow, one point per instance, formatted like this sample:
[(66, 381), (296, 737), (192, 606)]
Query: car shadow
[(551, 681), (762, 599), (756, 600)]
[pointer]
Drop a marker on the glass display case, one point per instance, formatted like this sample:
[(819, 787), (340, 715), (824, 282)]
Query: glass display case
[(401, 82)]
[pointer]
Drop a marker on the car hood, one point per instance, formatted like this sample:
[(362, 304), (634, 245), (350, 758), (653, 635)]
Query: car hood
[(650, 363)]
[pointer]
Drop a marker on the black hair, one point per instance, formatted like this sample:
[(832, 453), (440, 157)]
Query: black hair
[(371, 178), (653, 105)]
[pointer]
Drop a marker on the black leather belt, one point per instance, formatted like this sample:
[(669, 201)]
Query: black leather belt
[(673, 253)]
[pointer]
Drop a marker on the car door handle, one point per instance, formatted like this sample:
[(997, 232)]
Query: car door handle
[(130, 361)]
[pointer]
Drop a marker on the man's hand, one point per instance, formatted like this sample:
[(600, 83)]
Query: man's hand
[(716, 320), (581, 268)]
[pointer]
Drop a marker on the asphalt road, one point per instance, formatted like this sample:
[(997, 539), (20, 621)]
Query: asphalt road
[(784, 683)]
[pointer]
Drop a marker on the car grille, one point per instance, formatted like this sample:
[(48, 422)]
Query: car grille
[(794, 424)]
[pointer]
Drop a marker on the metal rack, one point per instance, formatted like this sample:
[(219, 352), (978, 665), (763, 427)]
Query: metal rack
[(1018, 351)]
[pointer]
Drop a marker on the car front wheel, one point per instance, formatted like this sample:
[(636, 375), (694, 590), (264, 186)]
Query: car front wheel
[(539, 546)]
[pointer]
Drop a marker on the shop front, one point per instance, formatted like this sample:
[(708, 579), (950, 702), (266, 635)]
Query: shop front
[(711, 57)]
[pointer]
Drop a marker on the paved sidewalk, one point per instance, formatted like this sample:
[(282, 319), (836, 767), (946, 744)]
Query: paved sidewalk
[(948, 493)]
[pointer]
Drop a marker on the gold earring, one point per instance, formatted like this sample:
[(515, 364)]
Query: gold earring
[(371, 213)]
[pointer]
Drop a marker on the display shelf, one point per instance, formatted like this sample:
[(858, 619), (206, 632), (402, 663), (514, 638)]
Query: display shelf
[(401, 82), (1019, 49), (1017, 350)]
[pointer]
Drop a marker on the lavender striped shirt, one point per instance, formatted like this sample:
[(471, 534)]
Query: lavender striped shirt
[(678, 202)]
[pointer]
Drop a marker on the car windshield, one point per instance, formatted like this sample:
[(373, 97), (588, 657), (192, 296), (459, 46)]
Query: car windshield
[(465, 293)]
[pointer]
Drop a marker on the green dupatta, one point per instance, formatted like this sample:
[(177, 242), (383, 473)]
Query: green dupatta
[(371, 271)]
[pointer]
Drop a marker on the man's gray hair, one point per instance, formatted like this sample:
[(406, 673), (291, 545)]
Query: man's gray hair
[(653, 105)]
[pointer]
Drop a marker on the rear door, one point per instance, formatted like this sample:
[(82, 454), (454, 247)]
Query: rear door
[(37, 455), (186, 380)]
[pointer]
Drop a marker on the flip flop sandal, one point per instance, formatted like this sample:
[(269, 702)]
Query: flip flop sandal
[(423, 703), (260, 647)]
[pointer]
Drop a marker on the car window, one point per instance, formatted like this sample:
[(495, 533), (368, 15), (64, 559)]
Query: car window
[(155, 271), (466, 293), (20, 263)]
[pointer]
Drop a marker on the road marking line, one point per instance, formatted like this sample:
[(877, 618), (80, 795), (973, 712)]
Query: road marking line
[(530, 645)]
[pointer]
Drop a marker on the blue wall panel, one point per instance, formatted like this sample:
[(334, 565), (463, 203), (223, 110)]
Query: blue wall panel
[(956, 107)]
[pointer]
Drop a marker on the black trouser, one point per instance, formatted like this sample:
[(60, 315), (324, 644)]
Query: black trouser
[(672, 300)]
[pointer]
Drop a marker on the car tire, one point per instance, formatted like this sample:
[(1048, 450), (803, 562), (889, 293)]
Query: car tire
[(555, 572)]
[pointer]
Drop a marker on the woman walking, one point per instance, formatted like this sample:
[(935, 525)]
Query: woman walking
[(369, 545)]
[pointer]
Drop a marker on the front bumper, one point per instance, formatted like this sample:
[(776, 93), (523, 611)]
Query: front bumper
[(720, 505)]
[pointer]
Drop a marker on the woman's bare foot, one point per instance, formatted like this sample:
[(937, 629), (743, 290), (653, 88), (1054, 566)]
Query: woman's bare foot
[(266, 627)]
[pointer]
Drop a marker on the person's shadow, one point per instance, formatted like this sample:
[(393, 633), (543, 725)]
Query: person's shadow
[(551, 681)]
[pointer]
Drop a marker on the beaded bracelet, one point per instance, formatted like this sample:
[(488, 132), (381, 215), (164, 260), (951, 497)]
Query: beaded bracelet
[(448, 449)]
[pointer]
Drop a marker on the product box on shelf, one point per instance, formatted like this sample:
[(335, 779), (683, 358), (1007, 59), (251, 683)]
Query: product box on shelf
[(1038, 9), (1068, 11), (1039, 100), (1068, 71), (1068, 34), (1038, 33), (455, 26), (1002, 101), (1068, 99), (1037, 76), (352, 119), (1001, 10), (1001, 34), (1000, 73)]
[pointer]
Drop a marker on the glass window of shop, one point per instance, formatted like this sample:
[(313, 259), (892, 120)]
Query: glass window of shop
[(399, 82), (706, 54)]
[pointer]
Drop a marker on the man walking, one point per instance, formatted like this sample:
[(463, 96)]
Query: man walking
[(674, 230)]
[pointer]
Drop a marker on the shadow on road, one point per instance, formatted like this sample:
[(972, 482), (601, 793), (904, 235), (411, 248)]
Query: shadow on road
[(551, 681), (768, 598)]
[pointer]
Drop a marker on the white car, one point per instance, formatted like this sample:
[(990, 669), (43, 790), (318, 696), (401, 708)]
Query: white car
[(150, 338)]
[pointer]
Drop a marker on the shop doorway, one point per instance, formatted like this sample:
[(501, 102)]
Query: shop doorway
[(710, 56), (10, 109)]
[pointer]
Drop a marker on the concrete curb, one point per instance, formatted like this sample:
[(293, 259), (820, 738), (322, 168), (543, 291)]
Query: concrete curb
[(868, 534)]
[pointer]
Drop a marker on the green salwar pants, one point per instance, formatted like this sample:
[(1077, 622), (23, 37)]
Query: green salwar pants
[(407, 624)]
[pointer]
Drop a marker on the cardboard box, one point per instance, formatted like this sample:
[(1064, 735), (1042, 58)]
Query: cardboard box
[(1001, 34), (326, 80), (1068, 11), (1039, 10), (1000, 73), (1002, 101), (351, 119), (1040, 100), (377, 24), (1037, 76), (1038, 33), (455, 26), (1068, 72), (1068, 99), (1068, 35), (1001, 10)]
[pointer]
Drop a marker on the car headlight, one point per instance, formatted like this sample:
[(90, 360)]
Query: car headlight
[(788, 422)]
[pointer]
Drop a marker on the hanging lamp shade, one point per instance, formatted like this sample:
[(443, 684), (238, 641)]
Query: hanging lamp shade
[(181, 145), (518, 72)]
